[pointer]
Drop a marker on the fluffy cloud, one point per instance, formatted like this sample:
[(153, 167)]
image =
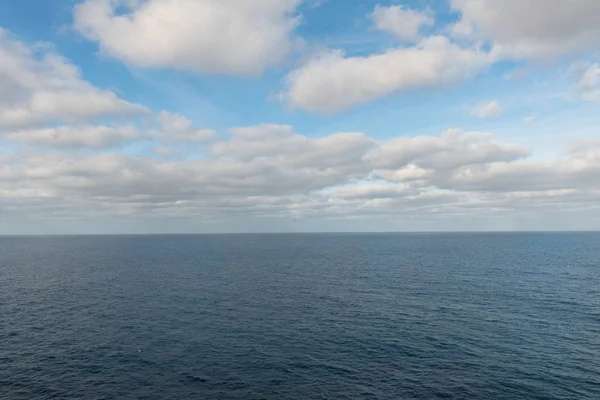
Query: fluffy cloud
[(57, 161), (487, 31), (524, 176), (85, 136), (487, 110), (37, 87), (530, 29), (401, 22), (589, 83), (452, 149), (174, 127), (340, 151), (240, 37), (269, 171), (165, 128), (334, 82)]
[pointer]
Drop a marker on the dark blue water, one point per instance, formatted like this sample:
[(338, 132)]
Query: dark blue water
[(381, 316)]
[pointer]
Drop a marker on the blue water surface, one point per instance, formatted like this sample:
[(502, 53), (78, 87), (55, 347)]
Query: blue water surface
[(301, 316)]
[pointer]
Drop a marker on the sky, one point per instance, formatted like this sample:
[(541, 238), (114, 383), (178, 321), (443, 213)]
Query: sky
[(197, 116)]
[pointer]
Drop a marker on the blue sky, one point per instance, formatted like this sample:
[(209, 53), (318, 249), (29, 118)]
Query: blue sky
[(290, 115)]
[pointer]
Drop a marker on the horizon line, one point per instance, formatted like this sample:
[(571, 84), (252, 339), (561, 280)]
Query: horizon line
[(295, 233)]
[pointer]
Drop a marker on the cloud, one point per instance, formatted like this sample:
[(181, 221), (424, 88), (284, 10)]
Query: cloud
[(333, 82), (237, 37), (450, 150), (487, 31), (533, 29), (85, 136), (523, 176), (61, 147), (336, 151), (166, 128), (174, 127), (269, 172), (487, 110), (589, 83), (37, 87), (403, 23)]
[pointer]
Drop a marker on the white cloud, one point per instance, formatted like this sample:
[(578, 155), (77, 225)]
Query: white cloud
[(452, 149), (269, 171), (167, 128), (333, 154), (531, 29), (85, 136), (401, 22), (486, 32), (240, 37), (50, 120), (333, 82), (176, 127), (369, 191), (589, 83), (487, 110), (38, 86)]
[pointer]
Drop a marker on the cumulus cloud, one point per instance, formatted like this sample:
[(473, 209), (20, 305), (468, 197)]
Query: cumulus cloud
[(328, 154), (487, 110), (524, 176), (239, 37), (589, 83), (165, 128), (535, 29), (37, 86), (57, 161), (175, 127), (84, 136), (450, 150), (403, 23), (270, 171), (334, 82), (487, 31)]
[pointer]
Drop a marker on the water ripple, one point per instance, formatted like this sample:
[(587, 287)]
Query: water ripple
[(389, 316)]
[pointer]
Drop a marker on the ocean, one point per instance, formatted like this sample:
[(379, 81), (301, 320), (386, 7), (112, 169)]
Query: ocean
[(301, 316)]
